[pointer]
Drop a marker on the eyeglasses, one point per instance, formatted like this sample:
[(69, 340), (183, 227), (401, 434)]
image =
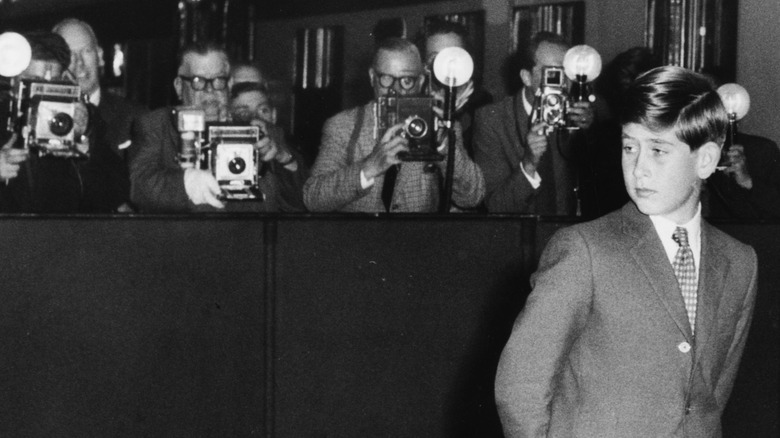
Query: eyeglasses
[(406, 82), (199, 83)]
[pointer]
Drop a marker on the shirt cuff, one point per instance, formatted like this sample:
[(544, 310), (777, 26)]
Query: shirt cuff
[(365, 182), (535, 180)]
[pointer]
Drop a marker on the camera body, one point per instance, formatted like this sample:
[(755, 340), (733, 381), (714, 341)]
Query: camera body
[(46, 112), (419, 129), (235, 162), (553, 100)]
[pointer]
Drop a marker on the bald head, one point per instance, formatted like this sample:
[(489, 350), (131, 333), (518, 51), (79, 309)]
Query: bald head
[(86, 56)]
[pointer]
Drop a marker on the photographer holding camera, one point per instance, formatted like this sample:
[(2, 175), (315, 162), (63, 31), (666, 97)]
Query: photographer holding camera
[(358, 168), (528, 167), (160, 183), (250, 104), (41, 176)]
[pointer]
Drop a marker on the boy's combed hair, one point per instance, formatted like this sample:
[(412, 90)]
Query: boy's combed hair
[(676, 98)]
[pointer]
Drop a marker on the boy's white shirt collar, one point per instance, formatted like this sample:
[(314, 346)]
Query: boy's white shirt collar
[(665, 229)]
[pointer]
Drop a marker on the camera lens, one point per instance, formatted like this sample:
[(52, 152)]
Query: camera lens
[(60, 124), (237, 165), (416, 127), (553, 100)]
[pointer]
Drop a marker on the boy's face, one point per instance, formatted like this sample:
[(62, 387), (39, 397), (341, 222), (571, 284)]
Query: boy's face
[(662, 175)]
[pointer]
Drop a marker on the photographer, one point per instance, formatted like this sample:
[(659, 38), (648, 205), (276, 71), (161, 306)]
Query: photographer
[(158, 181), (527, 170), (116, 113), (358, 169), (42, 183), (283, 182), (748, 184)]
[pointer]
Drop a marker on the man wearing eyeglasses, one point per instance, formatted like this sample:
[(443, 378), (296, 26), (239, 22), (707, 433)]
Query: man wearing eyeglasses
[(358, 169), (159, 183)]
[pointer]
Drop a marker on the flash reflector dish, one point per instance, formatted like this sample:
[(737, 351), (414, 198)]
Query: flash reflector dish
[(453, 65), (15, 54), (735, 98)]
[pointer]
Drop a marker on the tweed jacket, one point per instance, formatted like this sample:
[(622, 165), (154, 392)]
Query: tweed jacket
[(603, 347), (334, 184), (499, 147)]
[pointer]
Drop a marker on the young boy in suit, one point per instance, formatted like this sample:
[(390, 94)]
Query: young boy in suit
[(637, 320)]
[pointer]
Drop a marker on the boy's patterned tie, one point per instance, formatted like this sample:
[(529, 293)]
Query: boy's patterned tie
[(685, 270)]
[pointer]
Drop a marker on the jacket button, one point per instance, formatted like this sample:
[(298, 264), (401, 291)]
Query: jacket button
[(684, 347)]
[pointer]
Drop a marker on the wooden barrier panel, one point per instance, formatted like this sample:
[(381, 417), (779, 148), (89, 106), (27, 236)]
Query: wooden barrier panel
[(398, 327), (131, 327), (289, 326)]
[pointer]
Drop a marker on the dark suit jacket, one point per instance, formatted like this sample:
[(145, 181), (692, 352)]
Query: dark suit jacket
[(157, 179), (499, 146), (727, 199), (117, 115), (97, 184), (600, 349)]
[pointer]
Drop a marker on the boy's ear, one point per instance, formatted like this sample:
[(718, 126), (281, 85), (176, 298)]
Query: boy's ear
[(708, 157)]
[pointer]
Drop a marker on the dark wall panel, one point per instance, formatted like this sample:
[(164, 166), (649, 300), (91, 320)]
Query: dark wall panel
[(131, 328), (398, 328)]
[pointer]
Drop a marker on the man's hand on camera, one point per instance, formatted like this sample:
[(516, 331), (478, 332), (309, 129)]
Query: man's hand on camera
[(537, 146), (80, 119), (202, 188), (580, 114), (11, 159), (737, 166), (463, 94), (385, 153), (267, 147)]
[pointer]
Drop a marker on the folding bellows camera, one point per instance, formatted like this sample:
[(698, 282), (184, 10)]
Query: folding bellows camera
[(417, 115)]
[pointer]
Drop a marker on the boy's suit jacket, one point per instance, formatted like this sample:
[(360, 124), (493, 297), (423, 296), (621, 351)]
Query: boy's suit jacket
[(603, 347)]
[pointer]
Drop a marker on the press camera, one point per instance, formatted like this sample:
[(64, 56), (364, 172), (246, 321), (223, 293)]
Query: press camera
[(419, 129), (235, 162), (45, 115)]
